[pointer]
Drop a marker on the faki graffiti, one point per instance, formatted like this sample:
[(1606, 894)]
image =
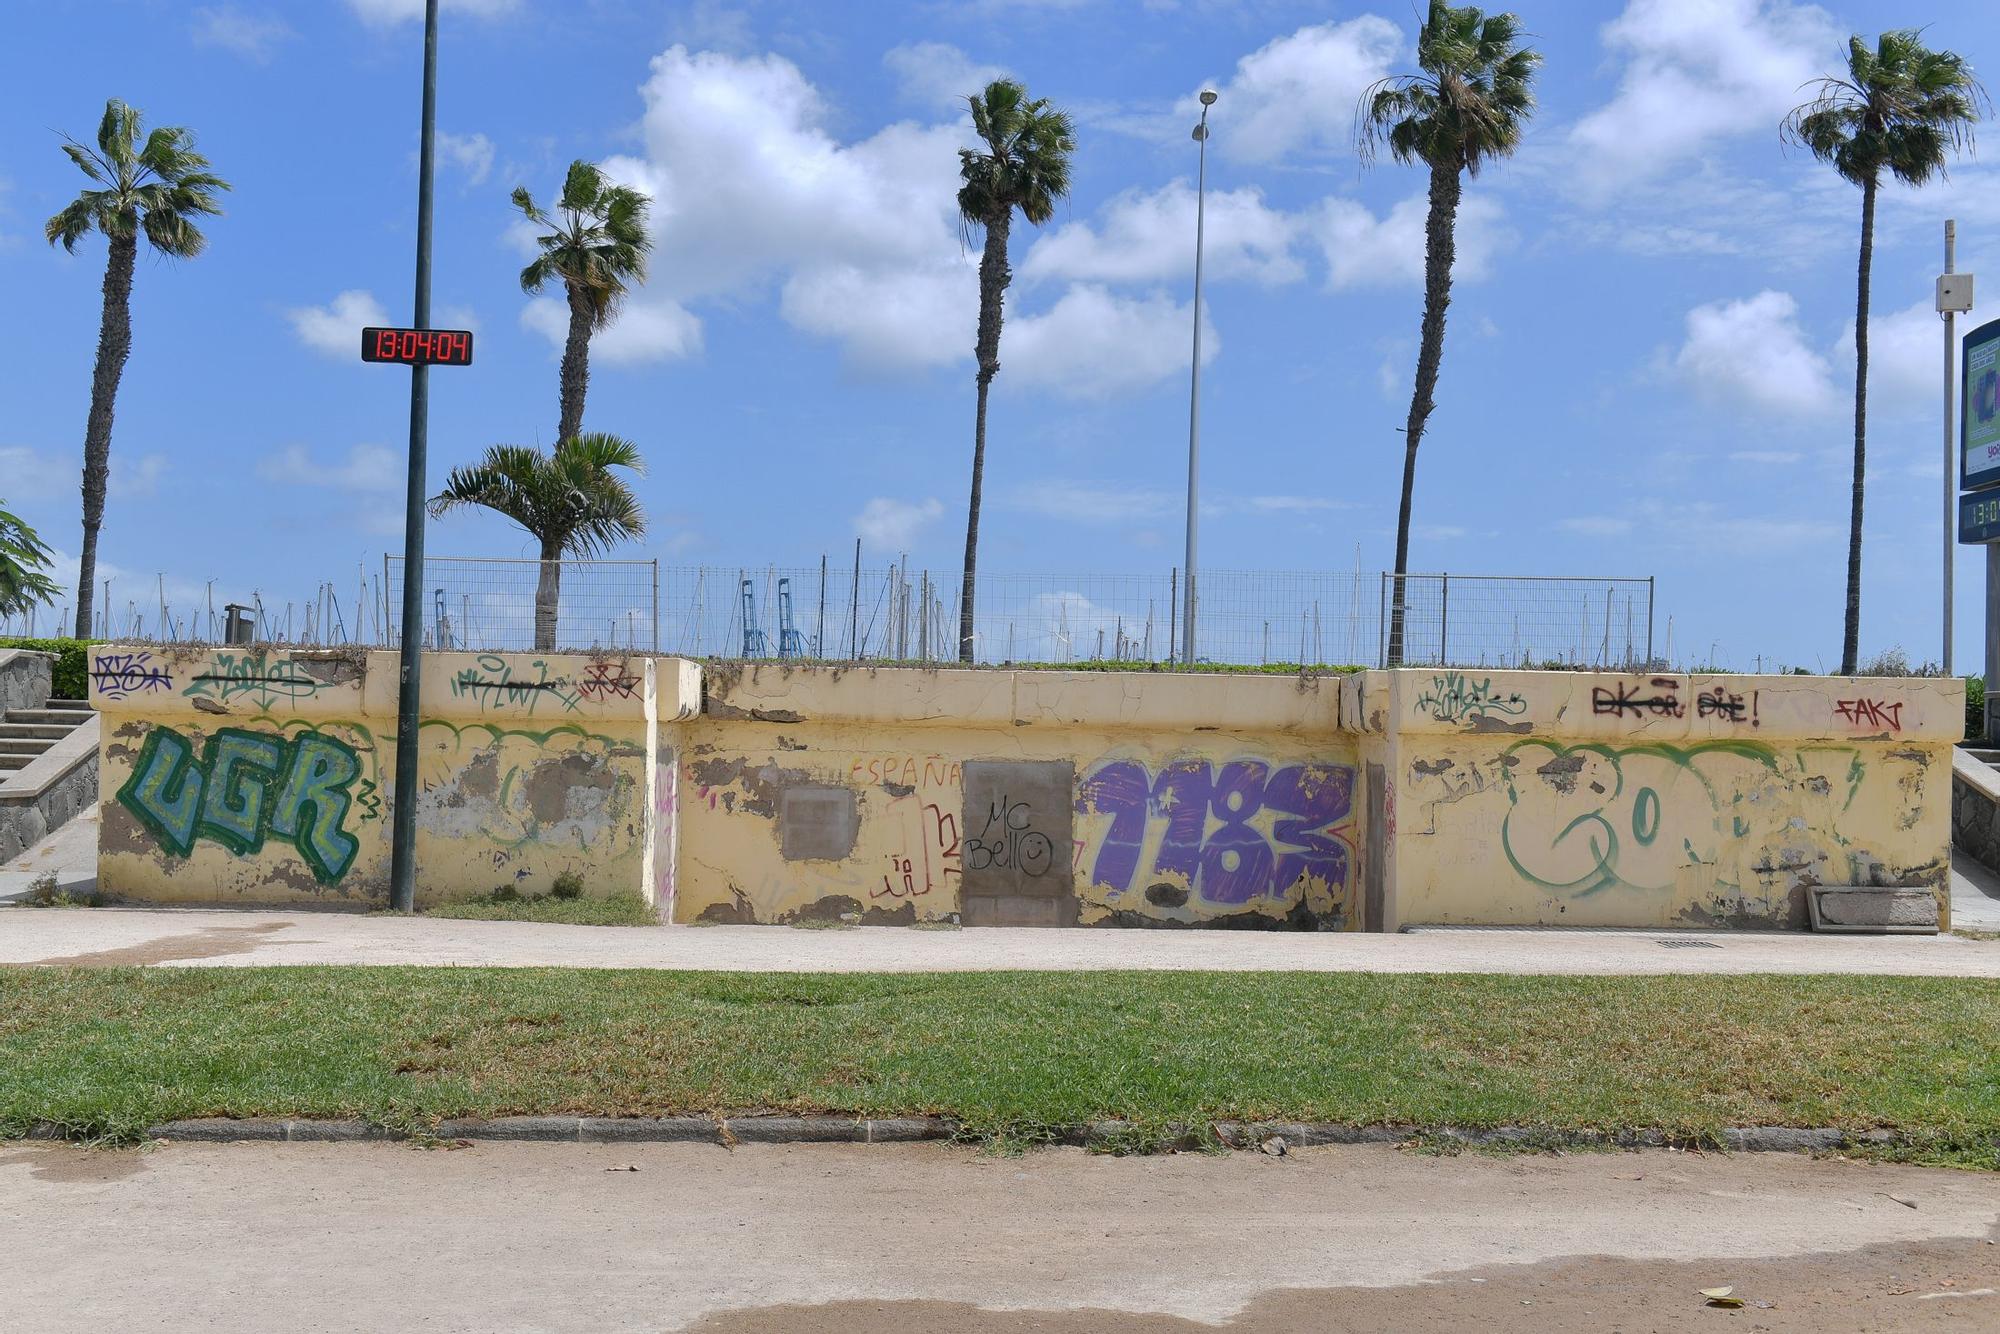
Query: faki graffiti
[(1230, 832), (244, 787)]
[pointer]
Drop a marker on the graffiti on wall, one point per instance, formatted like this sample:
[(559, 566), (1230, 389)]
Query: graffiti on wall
[(1231, 832), (1454, 697), (256, 678), (928, 853), (492, 683), (1865, 712), (1587, 818), (119, 675), (245, 787)]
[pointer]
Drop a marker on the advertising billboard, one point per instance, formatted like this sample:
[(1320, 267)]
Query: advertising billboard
[(1979, 409)]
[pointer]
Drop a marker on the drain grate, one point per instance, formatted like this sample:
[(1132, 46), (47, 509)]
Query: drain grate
[(1687, 944)]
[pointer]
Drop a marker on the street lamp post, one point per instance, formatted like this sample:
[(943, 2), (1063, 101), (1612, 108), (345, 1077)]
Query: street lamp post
[(1194, 384), (403, 828)]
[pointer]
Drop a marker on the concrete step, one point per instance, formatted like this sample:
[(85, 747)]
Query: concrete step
[(10, 763), (72, 705), (1983, 755), (53, 717), (23, 731), (33, 745)]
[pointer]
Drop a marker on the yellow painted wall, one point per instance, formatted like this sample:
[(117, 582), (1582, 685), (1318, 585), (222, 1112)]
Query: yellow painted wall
[(1256, 768), (1593, 799), (266, 775), (774, 792)]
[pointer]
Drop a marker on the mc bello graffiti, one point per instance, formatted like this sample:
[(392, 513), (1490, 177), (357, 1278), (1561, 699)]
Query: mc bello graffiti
[(1589, 818), (245, 786), (1237, 860)]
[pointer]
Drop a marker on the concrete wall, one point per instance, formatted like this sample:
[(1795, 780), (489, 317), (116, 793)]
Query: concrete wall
[(774, 792), (1594, 799), (265, 775), (903, 795)]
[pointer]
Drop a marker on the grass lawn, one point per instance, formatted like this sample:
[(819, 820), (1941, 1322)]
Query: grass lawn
[(617, 910), (105, 1052)]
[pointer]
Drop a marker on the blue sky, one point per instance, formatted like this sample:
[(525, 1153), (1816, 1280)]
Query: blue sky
[(1647, 370)]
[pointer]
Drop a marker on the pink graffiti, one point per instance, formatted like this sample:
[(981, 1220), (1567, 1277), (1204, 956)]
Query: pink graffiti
[(912, 874)]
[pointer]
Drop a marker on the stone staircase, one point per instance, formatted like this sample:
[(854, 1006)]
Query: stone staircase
[(27, 733), (1982, 754)]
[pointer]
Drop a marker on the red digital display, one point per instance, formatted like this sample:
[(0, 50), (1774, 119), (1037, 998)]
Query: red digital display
[(417, 347)]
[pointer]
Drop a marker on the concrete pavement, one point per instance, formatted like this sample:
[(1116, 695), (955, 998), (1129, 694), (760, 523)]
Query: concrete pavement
[(855, 1238), (209, 937)]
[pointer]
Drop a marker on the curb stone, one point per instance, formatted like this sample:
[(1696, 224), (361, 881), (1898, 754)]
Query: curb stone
[(913, 1129)]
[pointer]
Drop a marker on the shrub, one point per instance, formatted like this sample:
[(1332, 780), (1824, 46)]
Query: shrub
[(504, 894), (568, 885), (1975, 708), (71, 672)]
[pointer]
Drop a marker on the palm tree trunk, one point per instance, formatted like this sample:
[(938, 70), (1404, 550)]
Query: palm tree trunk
[(575, 368), (994, 275), (114, 344), (1440, 251), (548, 594), (1850, 642)]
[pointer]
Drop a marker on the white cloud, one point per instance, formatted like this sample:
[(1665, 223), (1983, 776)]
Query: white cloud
[(470, 153), (381, 13), (1297, 95), (1093, 344), (34, 475), (133, 479), (1753, 353), (1774, 457), (335, 328), (366, 468), (643, 332), (1905, 359), (886, 522), (252, 36), (1148, 236), (922, 316), (1097, 502), (938, 75), (1363, 250), (1698, 71)]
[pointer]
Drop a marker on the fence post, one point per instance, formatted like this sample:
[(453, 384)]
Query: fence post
[(656, 604), (1173, 611), (1382, 623), (1444, 623), (1649, 622), (388, 632)]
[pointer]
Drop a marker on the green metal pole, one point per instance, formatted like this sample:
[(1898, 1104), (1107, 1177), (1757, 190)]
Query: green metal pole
[(403, 829)]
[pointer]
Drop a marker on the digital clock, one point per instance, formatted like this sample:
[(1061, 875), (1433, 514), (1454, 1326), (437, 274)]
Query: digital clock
[(418, 347)]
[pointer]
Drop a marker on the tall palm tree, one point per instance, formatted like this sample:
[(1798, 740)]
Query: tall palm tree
[(1023, 164), (1467, 106), (1900, 108), (156, 188), (569, 499), (596, 249)]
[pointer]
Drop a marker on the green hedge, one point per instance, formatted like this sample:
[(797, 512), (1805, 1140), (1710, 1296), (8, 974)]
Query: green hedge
[(1975, 708), (71, 676)]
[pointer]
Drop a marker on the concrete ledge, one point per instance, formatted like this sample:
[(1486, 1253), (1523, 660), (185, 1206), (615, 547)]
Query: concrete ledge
[(53, 765), (1115, 1135), (1873, 910)]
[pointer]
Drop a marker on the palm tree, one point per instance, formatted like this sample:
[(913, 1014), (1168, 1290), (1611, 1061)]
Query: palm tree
[(157, 188), (1467, 107), (1899, 108), (597, 249), (24, 560), (569, 499), (1023, 165)]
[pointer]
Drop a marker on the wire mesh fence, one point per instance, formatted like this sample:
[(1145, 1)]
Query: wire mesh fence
[(896, 613), (479, 603), (1520, 621)]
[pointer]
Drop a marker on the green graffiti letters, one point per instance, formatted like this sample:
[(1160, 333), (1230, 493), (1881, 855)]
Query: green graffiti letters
[(267, 679), (1583, 819), (245, 787)]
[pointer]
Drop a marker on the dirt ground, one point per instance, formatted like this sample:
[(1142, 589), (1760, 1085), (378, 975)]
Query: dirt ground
[(824, 1238)]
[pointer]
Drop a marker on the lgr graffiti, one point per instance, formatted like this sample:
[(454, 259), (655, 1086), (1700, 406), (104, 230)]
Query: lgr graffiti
[(1274, 830), (244, 787)]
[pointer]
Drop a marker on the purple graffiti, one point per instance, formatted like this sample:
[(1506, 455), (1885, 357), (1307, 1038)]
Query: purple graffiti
[(1236, 861), (121, 674)]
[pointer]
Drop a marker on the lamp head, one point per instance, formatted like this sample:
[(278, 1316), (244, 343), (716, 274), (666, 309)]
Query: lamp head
[(1208, 96)]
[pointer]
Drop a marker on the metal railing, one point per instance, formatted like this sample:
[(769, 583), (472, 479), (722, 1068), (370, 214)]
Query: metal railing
[(1519, 621), (490, 603)]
